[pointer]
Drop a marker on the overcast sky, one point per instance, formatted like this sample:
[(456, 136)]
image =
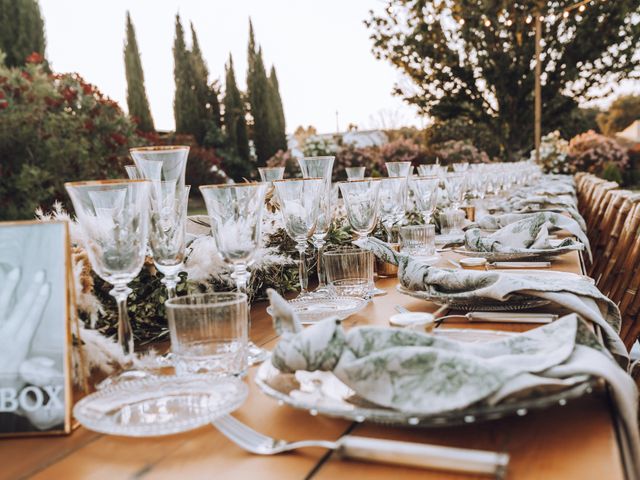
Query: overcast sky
[(321, 50)]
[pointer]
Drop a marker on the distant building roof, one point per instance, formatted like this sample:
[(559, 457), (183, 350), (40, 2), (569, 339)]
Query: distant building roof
[(631, 133)]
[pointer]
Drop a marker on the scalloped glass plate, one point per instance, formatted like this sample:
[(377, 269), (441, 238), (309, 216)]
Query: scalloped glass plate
[(160, 405), (323, 393), (521, 256), (513, 304), (315, 309)]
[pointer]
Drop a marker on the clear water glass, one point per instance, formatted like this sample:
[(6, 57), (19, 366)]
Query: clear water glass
[(398, 169), (425, 195), (132, 172), (450, 221), (161, 163), (349, 271), (361, 199), (431, 170), (392, 203), (209, 333), (355, 173), (461, 167), (299, 201), (418, 240), (168, 230), (456, 187), (235, 212), (269, 174), (113, 216), (320, 167)]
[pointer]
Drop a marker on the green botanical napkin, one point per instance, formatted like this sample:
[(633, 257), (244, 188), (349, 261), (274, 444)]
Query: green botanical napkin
[(424, 374), (524, 233), (577, 296)]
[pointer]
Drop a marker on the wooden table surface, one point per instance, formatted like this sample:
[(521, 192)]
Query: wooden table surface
[(576, 441)]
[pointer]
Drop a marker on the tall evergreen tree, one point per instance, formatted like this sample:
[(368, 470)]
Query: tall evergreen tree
[(276, 101), (203, 91), (136, 95), (234, 115), (21, 30), (185, 103), (261, 105)]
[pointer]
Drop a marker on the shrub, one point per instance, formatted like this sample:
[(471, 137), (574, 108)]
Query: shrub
[(55, 128), (592, 152), (463, 129), (456, 151), (554, 154)]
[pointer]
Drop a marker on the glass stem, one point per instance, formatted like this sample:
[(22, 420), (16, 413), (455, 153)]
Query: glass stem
[(171, 282), (321, 279), (125, 333), (388, 227), (302, 267)]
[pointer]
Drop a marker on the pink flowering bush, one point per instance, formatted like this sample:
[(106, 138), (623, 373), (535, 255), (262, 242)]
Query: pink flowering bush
[(598, 154)]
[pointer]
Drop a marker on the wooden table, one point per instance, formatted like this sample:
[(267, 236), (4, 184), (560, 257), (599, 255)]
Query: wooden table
[(577, 441)]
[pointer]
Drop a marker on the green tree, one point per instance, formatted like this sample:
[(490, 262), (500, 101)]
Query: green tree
[(185, 103), (473, 58), (263, 113), (622, 113), (276, 101), (21, 30), (235, 115), (136, 95)]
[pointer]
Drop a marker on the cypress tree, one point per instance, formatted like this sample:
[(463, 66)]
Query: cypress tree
[(261, 105), (185, 103), (201, 87), (21, 30), (280, 137), (234, 115), (136, 95)]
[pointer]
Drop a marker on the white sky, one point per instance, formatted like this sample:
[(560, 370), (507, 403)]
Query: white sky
[(321, 50)]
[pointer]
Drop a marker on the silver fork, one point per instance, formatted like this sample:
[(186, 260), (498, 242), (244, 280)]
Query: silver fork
[(372, 449)]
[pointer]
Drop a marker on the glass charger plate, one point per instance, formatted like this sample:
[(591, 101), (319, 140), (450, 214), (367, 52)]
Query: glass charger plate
[(323, 393), (514, 303), (313, 309), (160, 405), (515, 256)]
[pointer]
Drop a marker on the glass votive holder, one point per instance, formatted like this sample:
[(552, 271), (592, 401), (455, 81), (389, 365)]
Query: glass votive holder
[(349, 271), (451, 221), (209, 333), (355, 173), (418, 240)]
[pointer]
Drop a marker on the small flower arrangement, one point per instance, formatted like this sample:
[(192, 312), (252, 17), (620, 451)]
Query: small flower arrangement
[(554, 154)]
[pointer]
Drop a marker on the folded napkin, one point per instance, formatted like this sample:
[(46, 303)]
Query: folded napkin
[(581, 297), (424, 374), (523, 232)]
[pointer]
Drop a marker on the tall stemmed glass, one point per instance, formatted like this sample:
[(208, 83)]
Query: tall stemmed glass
[(425, 195), (320, 167), (299, 201), (167, 237), (392, 203), (133, 173), (113, 219), (398, 169), (456, 186), (165, 166), (355, 173), (361, 198), (235, 212), (269, 174)]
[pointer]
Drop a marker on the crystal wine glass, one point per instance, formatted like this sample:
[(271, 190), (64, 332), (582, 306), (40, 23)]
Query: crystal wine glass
[(320, 167), (168, 230), (235, 212), (355, 173), (132, 172), (456, 186), (299, 201), (425, 194), (392, 203), (398, 169), (361, 199), (164, 163), (269, 174), (113, 219), (461, 167)]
